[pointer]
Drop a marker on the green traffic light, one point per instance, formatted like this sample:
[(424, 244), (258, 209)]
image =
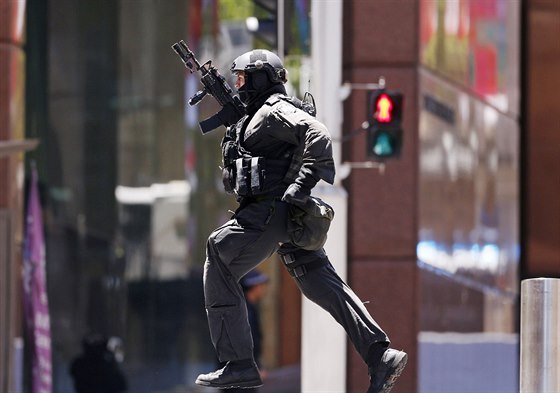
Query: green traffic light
[(383, 145)]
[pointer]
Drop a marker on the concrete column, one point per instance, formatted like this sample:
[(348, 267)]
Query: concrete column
[(323, 357)]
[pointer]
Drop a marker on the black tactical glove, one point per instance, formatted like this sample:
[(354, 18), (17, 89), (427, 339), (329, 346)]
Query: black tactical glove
[(296, 195)]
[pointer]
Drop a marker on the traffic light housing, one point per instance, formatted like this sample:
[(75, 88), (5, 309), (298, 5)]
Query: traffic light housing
[(269, 21), (264, 26), (384, 111)]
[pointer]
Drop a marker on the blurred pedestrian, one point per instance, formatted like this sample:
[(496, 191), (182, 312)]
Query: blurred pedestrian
[(254, 286), (96, 370)]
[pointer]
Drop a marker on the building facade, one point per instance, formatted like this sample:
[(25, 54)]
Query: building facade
[(437, 243), (448, 231)]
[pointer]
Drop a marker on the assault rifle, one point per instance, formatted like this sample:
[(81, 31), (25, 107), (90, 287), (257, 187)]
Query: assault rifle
[(215, 85)]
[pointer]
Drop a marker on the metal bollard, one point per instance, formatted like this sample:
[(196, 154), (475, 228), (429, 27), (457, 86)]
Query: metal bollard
[(540, 331)]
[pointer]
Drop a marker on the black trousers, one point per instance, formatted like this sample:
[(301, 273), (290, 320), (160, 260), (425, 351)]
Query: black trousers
[(252, 235)]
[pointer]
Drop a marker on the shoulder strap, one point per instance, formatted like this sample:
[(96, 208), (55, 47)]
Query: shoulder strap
[(273, 99), (303, 105)]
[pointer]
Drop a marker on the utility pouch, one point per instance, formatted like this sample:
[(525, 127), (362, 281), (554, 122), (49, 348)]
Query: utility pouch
[(228, 178), (308, 225), (229, 152)]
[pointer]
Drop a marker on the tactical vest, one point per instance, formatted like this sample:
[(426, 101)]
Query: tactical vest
[(246, 175)]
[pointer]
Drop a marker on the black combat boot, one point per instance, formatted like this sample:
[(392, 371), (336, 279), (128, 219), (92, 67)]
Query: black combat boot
[(238, 374), (383, 376)]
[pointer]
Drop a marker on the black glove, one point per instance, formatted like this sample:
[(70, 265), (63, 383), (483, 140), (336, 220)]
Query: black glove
[(296, 195)]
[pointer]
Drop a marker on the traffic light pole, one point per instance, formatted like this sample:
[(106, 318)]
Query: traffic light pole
[(346, 88), (280, 17)]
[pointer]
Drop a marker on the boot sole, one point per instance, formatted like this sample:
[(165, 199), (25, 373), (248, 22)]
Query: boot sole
[(231, 385), (398, 367)]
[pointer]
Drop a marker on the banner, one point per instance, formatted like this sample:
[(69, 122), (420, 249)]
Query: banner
[(36, 306)]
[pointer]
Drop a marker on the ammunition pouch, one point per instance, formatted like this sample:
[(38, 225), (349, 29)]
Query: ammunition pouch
[(245, 177), (252, 176)]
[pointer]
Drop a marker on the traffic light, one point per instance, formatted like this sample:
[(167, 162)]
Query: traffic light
[(264, 24), (270, 24), (384, 113)]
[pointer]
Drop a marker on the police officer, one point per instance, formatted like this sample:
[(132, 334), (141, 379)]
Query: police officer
[(272, 159)]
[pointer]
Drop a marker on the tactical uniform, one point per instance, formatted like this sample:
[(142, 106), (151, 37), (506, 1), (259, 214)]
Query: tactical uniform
[(272, 157)]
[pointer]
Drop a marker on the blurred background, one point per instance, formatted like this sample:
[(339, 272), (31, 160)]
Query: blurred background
[(436, 238)]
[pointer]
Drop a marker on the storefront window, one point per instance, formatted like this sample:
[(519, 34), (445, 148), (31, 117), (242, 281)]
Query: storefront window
[(468, 194)]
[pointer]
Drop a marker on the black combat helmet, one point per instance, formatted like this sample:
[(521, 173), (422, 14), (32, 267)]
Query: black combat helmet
[(263, 69)]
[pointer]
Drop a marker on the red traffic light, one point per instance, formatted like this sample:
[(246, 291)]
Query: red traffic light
[(383, 109)]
